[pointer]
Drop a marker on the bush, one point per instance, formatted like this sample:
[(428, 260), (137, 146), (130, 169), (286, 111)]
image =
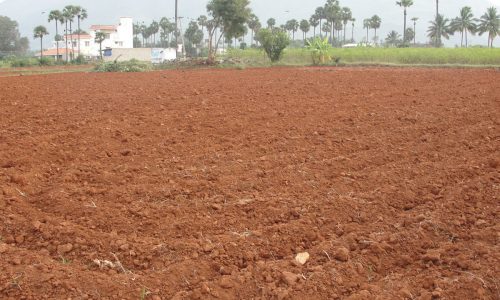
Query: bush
[(273, 41), (46, 61), (80, 60), (23, 62), (320, 50), (123, 66)]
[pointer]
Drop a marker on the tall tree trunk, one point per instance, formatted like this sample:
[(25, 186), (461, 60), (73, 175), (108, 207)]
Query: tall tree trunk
[(375, 37), (71, 37), (320, 29), (41, 48), (345, 26), (352, 34), (57, 42), (367, 28), (462, 39), (100, 49), (66, 41), (466, 39), (404, 29), (414, 33), (332, 33), (79, 36)]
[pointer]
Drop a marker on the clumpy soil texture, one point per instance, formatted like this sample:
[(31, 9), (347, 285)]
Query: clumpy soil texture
[(206, 184)]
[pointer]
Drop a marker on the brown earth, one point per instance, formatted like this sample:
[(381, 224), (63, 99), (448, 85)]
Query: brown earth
[(206, 184)]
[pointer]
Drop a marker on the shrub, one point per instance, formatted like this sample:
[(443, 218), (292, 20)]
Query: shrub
[(273, 41), (123, 66), (46, 61)]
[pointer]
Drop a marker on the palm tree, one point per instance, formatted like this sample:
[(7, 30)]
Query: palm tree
[(254, 25), (490, 23), (464, 24), (392, 38), (38, 33), (99, 38), (366, 24), (293, 26), (155, 28), (375, 23), (320, 15), (346, 17), (438, 40), (439, 28), (332, 15), (304, 27), (81, 14), (202, 21), (414, 19), (271, 23), (314, 22), (57, 16), (69, 15), (404, 4), (353, 20)]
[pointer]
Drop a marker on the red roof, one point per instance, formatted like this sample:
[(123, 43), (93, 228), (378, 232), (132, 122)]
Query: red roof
[(75, 37), (103, 27), (53, 52)]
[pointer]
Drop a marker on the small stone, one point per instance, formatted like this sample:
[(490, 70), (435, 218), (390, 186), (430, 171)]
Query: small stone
[(226, 282), (405, 293), (341, 254), (3, 248), (64, 248), (302, 258), (289, 278), (216, 206), (125, 152), (37, 225), (208, 247), (432, 256), (19, 239)]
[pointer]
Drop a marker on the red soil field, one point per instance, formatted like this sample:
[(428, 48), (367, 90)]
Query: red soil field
[(206, 184)]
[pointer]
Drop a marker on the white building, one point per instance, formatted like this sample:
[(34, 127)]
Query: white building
[(117, 36)]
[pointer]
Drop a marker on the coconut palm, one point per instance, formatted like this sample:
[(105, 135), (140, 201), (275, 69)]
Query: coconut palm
[(202, 21), (367, 24), (346, 17), (304, 27), (414, 19), (99, 38), (81, 14), (155, 28), (464, 24), (404, 4), (56, 16), (314, 22), (490, 23), (254, 25), (439, 29), (38, 33), (375, 23)]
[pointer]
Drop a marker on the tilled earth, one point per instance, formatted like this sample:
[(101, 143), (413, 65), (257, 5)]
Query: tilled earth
[(206, 184)]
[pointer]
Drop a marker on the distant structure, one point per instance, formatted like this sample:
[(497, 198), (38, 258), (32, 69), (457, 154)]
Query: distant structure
[(119, 36)]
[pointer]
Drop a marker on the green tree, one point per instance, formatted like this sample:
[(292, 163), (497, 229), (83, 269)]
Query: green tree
[(375, 23), (393, 38), (99, 38), (314, 22), (273, 41), (346, 17), (271, 23), (404, 4), (410, 35), (38, 33), (167, 28), (490, 23), (56, 16), (10, 39), (414, 19), (194, 35), (154, 29), (353, 20), (230, 16), (439, 29), (202, 21), (464, 24), (304, 27)]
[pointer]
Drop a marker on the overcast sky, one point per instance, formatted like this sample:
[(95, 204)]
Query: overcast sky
[(29, 13)]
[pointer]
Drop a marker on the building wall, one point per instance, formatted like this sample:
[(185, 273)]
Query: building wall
[(155, 55)]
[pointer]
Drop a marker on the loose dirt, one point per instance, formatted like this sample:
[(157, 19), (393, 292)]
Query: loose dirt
[(208, 184)]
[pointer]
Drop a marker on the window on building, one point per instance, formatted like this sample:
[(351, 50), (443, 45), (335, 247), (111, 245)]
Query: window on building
[(74, 44), (108, 36), (87, 44), (119, 44)]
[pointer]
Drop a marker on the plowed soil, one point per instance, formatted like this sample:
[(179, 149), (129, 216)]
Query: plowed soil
[(206, 184)]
